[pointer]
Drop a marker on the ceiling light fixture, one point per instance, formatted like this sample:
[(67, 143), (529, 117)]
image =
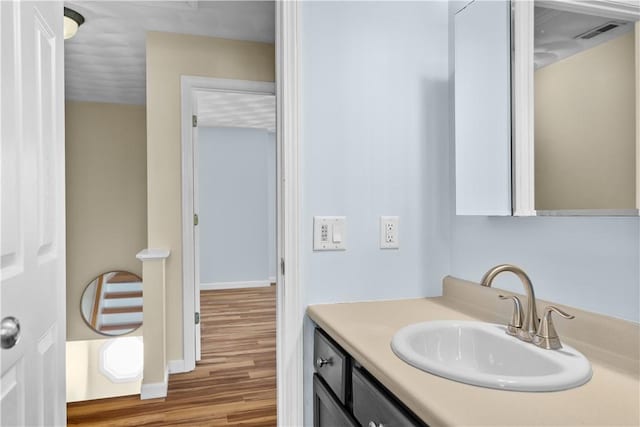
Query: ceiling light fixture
[(72, 20)]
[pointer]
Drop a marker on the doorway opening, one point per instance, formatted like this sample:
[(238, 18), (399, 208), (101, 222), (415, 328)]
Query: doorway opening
[(230, 269), (232, 124), (112, 23)]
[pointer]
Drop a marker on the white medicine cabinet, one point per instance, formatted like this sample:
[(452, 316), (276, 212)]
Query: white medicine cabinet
[(547, 108)]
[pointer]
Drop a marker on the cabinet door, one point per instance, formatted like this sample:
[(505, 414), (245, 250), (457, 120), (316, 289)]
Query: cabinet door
[(483, 108), (332, 364), (327, 411), (373, 406)]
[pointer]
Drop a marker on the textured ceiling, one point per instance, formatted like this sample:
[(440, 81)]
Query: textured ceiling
[(238, 110), (556, 32), (105, 61)]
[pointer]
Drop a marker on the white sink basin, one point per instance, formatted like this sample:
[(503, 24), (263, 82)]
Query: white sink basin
[(483, 354)]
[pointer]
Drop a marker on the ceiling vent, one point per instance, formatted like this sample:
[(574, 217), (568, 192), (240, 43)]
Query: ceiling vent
[(599, 30)]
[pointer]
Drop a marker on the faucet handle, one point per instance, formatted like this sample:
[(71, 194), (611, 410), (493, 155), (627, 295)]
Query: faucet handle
[(547, 337), (516, 318)]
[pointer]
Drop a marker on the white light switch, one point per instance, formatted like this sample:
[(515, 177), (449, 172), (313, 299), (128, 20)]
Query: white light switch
[(389, 232), (329, 233)]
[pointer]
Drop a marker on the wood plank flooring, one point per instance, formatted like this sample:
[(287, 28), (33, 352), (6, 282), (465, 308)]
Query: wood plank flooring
[(233, 385)]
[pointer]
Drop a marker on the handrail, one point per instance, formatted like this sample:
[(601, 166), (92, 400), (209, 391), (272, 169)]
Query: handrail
[(96, 303)]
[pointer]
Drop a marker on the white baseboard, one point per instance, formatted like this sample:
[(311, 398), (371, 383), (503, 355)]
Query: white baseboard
[(272, 279), (155, 390), (234, 285), (177, 367)]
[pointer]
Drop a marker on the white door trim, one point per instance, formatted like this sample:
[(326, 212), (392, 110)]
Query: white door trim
[(190, 85), (290, 309), (523, 153)]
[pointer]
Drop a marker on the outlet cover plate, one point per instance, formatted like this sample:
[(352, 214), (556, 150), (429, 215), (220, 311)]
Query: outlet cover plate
[(329, 233), (389, 232)]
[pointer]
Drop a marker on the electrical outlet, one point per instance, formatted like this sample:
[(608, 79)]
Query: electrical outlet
[(324, 233), (389, 232), (329, 233)]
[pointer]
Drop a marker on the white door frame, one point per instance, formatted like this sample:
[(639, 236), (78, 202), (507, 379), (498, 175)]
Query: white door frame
[(190, 86), (289, 306)]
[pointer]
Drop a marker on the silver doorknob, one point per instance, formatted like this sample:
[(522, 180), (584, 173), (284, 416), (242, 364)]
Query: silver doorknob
[(9, 331)]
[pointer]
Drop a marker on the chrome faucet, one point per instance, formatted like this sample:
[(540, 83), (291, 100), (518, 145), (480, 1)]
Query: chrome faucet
[(530, 325)]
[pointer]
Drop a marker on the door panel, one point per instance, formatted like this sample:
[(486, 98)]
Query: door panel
[(483, 108), (47, 366), (12, 244), (32, 380), (45, 115), (12, 396)]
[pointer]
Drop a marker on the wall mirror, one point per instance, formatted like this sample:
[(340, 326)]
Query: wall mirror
[(112, 303), (581, 98)]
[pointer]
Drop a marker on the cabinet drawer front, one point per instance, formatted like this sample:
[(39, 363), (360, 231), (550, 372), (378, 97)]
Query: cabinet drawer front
[(372, 406), (327, 411), (331, 363)]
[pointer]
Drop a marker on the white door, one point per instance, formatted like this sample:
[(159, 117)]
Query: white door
[(32, 269), (196, 231)]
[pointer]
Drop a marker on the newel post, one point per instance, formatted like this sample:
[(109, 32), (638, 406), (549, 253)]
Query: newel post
[(154, 335)]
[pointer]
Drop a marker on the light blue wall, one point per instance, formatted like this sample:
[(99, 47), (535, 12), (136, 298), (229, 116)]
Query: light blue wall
[(590, 263), (237, 204), (375, 137)]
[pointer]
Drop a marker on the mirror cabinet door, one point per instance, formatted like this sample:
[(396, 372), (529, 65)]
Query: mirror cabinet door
[(585, 119), (483, 108)]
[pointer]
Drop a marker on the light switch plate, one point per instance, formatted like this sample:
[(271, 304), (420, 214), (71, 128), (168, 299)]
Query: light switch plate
[(389, 232), (329, 233)]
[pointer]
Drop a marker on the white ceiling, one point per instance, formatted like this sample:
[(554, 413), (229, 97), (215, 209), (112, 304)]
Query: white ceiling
[(105, 61), (556, 32), (223, 109)]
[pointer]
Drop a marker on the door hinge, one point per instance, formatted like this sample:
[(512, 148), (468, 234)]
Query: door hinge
[(282, 266), (197, 318), (194, 121), (196, 220)]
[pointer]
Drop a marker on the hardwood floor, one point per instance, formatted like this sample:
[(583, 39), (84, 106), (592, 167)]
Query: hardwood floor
[(233, 385)]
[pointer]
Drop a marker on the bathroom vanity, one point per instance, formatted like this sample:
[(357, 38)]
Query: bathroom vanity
[(345, 394), (360, 381)]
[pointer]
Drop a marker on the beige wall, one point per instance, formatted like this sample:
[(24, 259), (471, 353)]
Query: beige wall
[(85, 380), (106, 198), (585, 132), (168, 57)]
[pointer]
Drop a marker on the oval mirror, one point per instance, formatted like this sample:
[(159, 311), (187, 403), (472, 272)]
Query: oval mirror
[(112, 303)]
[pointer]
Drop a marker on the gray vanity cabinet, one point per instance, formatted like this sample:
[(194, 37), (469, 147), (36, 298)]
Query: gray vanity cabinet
[(332, 364), (373, 407), (345, 395), (327, 411)]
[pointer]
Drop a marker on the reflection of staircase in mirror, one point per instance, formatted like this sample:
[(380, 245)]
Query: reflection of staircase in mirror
[(120, 306)]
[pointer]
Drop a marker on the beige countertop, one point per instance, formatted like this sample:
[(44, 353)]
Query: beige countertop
[(610, 398)]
